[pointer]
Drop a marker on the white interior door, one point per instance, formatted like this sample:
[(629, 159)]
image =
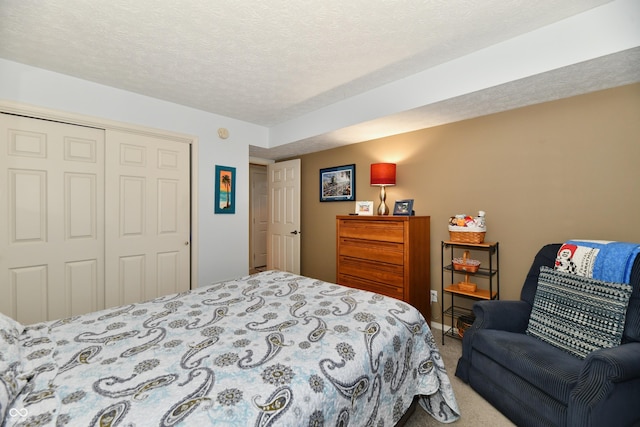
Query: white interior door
[(148, 229), (259, 215), (283, 241), (51, 233)]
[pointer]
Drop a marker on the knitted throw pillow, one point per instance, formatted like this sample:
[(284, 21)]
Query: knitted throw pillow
[(578, 314)]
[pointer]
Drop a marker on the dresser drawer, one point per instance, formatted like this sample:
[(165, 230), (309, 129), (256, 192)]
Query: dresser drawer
[(391, 274), (383, 230), (371, 286), (389, 252)]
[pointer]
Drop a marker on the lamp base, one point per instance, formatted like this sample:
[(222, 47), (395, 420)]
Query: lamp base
[(383, 209)]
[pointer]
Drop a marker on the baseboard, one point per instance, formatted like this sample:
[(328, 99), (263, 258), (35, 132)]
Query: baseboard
[(436, 325), (440, 327)]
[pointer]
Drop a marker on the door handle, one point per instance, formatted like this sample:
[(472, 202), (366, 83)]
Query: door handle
[(294, 232)]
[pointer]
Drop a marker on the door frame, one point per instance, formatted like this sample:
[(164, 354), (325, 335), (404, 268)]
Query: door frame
[(106, 124), (253, 168)]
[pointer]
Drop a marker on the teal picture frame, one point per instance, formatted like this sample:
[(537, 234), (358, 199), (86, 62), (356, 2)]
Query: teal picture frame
[(224, 201)]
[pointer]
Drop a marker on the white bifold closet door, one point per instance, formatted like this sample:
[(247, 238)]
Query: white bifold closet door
[(52, 228), (77, 201), (147, 218)]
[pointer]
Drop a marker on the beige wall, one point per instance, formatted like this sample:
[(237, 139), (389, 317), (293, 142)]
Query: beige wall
[(545, 173)]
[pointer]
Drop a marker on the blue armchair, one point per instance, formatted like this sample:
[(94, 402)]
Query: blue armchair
[(536, 384)]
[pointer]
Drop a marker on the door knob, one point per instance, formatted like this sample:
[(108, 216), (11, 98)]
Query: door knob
[(294, 232)]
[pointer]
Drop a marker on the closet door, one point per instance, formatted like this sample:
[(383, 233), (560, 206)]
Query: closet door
[(51, 226), (148, 217)]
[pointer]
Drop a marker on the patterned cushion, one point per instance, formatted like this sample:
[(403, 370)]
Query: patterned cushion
[(578, 314)]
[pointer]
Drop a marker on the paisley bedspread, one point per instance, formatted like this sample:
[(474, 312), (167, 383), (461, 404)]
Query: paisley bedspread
[(271, 349)]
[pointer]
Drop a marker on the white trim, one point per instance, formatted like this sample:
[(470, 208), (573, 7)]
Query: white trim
[(440, 327), (260, 161), (100, 123), (83, 120), (436, 325), (195, 145)]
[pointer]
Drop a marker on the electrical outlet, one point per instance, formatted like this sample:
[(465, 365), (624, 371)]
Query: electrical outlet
[(434, 296)]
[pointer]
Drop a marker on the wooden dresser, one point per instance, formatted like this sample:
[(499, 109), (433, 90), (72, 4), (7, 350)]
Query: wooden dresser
[(388, 255)]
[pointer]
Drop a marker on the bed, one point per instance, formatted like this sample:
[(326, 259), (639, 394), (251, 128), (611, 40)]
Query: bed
[(268, 349)]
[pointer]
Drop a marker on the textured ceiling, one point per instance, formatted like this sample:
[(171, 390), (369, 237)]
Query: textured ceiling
[(268, 62)]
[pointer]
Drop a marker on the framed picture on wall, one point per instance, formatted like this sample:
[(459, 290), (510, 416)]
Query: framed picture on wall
[(338, 184), (225, 190)]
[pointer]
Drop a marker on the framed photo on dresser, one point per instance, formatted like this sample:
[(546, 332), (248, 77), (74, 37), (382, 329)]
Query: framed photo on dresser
[(403, 207), (364, 208)]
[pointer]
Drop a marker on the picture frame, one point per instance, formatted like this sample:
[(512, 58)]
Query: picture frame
[(338, 184), (364, 207), (224, 201), (403, 207)]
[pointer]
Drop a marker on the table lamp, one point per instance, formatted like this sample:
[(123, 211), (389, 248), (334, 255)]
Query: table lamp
[(383, 175)]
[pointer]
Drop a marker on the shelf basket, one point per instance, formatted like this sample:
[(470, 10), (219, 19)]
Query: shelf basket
[(463, 323), (467, 287), (465, 263), (467, 236)]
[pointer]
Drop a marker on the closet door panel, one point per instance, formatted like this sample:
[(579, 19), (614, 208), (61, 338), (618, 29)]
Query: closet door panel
[(131, 279), (132, 202), (147, 242), (52, 181), (82, 280), (80, 210), (27, 206), (27, 292)]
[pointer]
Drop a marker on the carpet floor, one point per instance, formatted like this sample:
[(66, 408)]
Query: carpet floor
[(475, 411)]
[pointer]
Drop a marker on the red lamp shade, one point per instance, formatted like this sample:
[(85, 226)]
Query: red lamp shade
[(383, 174)]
